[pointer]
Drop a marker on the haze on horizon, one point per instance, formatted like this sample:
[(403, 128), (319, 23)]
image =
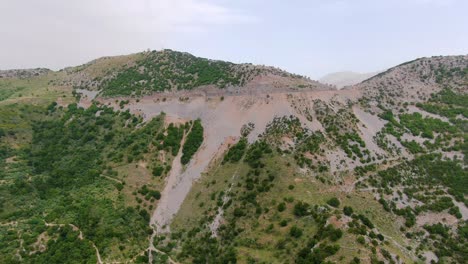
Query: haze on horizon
[(312, 38)]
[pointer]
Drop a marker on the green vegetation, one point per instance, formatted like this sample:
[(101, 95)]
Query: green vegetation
[(66, 245), (334, 202), (236, 152), (193, 142), (444, 74), (425, 127), (432, 182), (171, 142), (59, 178), (164, 70), (37, 90), (438, 134), (264, 218), (341, 126), (449, 104), (74, 181)]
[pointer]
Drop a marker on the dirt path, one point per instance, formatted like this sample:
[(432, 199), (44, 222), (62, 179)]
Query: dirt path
[(112, 179), (12, 223)]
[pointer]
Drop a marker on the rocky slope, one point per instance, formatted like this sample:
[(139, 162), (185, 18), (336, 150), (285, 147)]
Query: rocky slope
[(415, 81)]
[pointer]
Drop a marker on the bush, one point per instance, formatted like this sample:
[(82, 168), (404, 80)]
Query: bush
[(347, 210), (361, 240), (301, 209), (329, 231), (318, 255), (334, 202), (281, 207), (158, 170), (366, 221), (295, 232)]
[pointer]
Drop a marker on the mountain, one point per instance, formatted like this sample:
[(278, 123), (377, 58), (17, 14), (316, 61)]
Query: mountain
[(163, 157), (346, 78)]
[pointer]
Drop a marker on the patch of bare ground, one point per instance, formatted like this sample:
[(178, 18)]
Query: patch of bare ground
[(339, 222), (430, 218)]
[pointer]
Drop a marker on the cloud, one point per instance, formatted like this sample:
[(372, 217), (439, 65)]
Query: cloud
[(435, 2), (57, 33), (183, 14)]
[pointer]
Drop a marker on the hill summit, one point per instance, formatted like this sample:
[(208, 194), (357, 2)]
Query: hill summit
[(168, 70)]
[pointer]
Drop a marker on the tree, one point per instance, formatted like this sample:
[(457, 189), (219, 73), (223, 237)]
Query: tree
[(281, 207), (301, 208)]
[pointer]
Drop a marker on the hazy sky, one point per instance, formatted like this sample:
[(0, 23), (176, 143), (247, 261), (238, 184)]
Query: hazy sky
[(310, 37)]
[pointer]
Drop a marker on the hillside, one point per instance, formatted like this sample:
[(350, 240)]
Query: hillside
[(416, 80), (232, 163)]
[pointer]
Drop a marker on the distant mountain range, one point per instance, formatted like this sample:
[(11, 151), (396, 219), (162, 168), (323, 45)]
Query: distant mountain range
[(345, 78)]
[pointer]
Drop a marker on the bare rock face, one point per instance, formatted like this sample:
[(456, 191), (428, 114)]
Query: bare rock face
[(23, 73)]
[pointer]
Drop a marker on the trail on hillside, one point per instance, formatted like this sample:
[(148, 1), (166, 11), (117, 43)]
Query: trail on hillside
[(81, 237)]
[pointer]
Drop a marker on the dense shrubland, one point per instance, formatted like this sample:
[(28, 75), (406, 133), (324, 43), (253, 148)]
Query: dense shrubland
[(58, 179), (193, 142)]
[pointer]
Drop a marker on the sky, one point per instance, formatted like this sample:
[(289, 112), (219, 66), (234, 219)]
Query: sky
[(308, 37)]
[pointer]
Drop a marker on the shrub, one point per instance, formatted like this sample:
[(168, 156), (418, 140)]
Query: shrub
[(281, 207), (301, 209), (158, 170), (361, 240), (334, 202), (295, 232), (347, 210)]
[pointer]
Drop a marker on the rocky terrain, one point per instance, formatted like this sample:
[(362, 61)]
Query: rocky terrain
[(23, 73), (416, 80), (189, 160)]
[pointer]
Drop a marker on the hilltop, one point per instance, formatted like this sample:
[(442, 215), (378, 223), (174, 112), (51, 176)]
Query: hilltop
[(168, 70)]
